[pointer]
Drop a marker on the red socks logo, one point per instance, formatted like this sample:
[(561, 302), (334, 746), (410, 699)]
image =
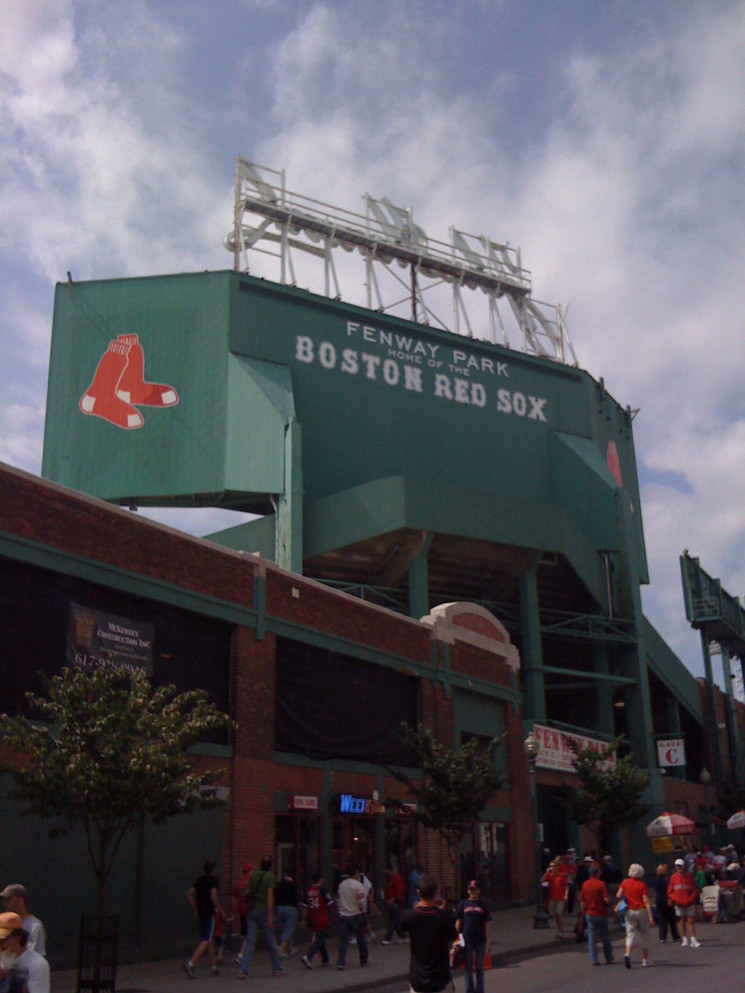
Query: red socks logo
[(119, 386)]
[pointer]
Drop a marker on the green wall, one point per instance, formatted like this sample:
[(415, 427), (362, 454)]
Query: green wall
[(147, 888), (376, 397)]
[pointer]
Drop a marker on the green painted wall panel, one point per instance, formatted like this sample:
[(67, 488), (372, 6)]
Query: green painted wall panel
[(252, 536), (260, 405), (388, 398), (376, 397), (585, 488), (181, 326)]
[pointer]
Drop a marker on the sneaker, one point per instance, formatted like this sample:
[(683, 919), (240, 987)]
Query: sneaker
[(238, 959), (645, 963), (306, 962), (214, 971), (695, 943), (242, 975), (189, 969), (627, 961), (352, 941), (385, 941), (684, 943), (341, 968)]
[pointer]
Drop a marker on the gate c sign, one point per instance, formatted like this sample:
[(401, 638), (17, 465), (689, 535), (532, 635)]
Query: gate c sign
[(671, 753)]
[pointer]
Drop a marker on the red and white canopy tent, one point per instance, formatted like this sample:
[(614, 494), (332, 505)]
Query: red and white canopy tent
[(669, 825), (736, 821)]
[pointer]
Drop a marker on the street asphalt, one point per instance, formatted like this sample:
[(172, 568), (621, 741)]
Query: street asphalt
[(513, 938)]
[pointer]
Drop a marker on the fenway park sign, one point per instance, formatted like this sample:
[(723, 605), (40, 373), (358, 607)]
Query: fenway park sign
[(556, 751)]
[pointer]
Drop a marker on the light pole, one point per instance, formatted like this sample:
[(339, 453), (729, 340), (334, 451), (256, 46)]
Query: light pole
[(532, 748)]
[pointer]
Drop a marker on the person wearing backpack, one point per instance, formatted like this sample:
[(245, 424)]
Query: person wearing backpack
[(260, 914)]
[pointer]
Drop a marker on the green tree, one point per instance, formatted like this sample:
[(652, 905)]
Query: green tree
[(108, 749), (606, 797), (454, 787)]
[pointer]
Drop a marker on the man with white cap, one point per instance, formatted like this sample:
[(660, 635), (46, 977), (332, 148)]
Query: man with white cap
[(682, 893), (14, 898), (25, 970)]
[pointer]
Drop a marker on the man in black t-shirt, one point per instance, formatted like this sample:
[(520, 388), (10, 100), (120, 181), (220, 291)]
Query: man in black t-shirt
[(431, 931), (204, 900)]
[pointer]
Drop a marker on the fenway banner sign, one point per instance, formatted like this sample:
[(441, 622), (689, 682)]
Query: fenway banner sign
[(556, 751), (95, 638)]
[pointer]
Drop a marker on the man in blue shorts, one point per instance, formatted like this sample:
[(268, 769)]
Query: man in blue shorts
[(204, 899)]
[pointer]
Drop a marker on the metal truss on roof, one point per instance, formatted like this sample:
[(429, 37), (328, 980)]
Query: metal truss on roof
[(405, 271)]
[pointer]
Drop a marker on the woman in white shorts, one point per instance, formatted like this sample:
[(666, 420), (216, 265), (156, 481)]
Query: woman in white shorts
[(639, 913)]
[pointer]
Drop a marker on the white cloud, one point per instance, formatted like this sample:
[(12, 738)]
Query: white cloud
[(617, 167)]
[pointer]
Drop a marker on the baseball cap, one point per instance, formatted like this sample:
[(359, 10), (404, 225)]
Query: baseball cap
[(13, 889), (9, 923), (679, 862), (474, 885)]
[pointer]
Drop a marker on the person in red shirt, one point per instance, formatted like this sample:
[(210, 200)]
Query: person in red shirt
[(394, 901), (316, 906), (557, 892), (568, 865), (239, 903), (594, 900), (682, 893), (638, 914)]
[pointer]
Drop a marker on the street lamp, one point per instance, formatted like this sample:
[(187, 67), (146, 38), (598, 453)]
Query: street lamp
[(532, 748)]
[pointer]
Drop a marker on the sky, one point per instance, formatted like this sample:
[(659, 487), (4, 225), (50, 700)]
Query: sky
[(605, 138)]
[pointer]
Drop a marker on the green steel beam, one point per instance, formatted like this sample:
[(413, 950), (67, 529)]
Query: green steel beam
[(599, 676)]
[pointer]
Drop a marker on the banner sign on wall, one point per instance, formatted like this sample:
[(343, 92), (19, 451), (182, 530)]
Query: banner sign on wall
[(556, 753), (95, 638), (671, 753)]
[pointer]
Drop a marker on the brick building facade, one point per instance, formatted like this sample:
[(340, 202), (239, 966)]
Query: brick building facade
[(260, 637)]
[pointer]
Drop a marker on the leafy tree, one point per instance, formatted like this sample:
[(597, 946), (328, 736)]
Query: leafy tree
[(455, 784), (607, 798), (109, 750)]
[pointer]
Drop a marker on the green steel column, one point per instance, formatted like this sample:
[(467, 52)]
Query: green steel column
[(711, 714), (327, 826), (290, 503), (603, 690), (733, 734), (534, 694), (419, 581)]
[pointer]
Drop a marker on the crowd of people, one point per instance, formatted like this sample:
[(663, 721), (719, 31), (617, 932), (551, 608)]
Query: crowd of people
[(700, 884), (436, 933), (596, 888)]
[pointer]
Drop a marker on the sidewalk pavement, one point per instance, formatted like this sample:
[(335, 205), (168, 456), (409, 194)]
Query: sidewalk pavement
[(512, 932)]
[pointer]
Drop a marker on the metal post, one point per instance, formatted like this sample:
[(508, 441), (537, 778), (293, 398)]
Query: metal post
[(540, 918)]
